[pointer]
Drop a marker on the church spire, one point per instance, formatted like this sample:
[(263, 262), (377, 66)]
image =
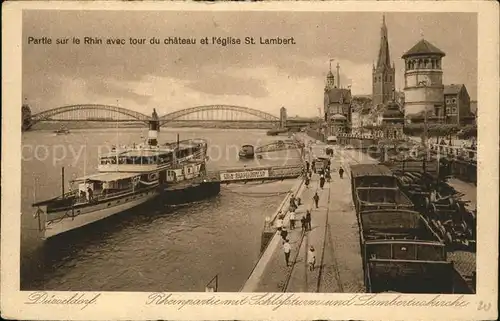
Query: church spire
[(384, 59)]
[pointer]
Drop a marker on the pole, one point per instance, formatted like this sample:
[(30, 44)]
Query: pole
[(62, 180), (425, 119)]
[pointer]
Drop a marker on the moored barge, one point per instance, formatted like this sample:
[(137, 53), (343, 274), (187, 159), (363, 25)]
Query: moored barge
[(400, 251)]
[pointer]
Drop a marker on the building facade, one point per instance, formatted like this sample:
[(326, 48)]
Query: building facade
[(392, 122), (337, 105), (424, 89), (457, 104), (383, 74)]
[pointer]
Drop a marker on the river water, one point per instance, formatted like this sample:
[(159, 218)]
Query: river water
[(163, 249)]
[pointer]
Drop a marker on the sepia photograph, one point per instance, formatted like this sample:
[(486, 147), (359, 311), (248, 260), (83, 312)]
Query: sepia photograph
[(273, 152)]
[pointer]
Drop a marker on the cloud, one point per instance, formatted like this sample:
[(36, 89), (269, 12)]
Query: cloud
[(258, 76)]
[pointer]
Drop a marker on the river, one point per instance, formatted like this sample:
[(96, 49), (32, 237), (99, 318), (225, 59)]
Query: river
[(166, 249)]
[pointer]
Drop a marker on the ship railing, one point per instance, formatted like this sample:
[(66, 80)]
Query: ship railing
[(100, 195)]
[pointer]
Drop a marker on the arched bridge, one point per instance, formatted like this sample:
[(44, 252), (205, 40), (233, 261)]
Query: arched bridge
[(218, 112), (108, 113), (89, 112)]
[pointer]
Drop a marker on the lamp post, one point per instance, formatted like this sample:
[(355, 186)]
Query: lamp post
[(424, 141)]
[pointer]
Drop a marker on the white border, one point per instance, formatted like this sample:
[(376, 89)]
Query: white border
[(131, 306)]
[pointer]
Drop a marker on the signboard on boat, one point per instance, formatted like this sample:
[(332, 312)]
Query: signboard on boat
[(254, 174)]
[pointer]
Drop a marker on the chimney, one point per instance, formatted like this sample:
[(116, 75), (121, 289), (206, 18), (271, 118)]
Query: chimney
[(338, 75)]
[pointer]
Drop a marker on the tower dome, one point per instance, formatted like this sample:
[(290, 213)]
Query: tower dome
[(423, 47)]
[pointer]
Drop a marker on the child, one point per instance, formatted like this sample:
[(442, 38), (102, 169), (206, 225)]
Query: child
[(311, 258)]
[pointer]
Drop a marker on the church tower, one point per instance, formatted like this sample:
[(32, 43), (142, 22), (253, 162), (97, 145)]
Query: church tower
[(383, 73), (330, 79)]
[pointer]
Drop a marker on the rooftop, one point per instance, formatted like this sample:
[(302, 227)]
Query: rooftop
[(452, 89), (423, 47), (335, 95)]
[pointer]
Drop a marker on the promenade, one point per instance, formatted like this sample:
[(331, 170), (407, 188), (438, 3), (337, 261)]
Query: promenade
[(334, 235)]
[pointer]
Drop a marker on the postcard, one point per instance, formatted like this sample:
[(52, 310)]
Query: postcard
[(250, 161)]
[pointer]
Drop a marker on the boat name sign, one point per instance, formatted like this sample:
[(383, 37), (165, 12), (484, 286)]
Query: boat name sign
[(255, 174)]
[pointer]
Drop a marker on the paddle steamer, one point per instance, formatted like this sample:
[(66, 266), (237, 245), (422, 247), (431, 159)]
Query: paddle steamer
[(127, 177)]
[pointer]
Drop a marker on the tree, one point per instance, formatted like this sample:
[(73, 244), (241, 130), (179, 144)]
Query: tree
[(26, 117), (467, 132)]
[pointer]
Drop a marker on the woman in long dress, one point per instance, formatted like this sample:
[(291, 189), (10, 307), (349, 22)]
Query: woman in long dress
[(311, 258)]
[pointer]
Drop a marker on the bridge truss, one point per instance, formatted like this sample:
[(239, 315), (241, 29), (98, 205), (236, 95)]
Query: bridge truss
[(107, 113), (89, 112), (218, 113)]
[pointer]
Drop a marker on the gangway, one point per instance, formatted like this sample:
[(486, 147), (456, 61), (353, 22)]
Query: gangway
[(257, 173)]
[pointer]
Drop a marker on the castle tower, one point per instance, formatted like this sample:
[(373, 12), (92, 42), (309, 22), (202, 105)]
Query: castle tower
[(283, 117), (423, 79), (383, 73)]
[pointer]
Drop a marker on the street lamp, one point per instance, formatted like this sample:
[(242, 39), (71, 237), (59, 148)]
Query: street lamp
[(424, 142)]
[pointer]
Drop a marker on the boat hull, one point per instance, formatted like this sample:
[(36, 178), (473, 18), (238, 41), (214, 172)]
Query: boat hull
[(189, 193), (95, 213), (246, 156)]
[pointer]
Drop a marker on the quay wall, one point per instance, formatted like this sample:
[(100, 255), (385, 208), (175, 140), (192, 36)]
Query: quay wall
[(268, 250)]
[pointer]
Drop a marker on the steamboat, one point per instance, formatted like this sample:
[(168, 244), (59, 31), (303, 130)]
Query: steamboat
[(62, 131), (246, 152), (279, 148), (400, 250), (127, 177)]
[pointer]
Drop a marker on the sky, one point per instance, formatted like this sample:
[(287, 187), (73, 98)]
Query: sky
[(264, 77)]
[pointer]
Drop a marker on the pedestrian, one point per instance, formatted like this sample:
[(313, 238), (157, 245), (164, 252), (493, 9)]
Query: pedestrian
[(321, 181), (284, 233), (307, 182), (292, 220), (292, 202), (314, 167), (316, 199), (279, 223), (299, 201), (304, 223), (341, 172), (90, 193), (328, 176), (307, 166), (308, 220), (311, 258), (287, 249)]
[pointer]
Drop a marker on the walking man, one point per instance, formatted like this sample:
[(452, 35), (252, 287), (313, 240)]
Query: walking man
[(341, 172), (307, 182), (322, 181), (286, 249), (292, 202), (307, 166), (308, 220), (279, 223), (316, 199), (304, 223), (284, 233)]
